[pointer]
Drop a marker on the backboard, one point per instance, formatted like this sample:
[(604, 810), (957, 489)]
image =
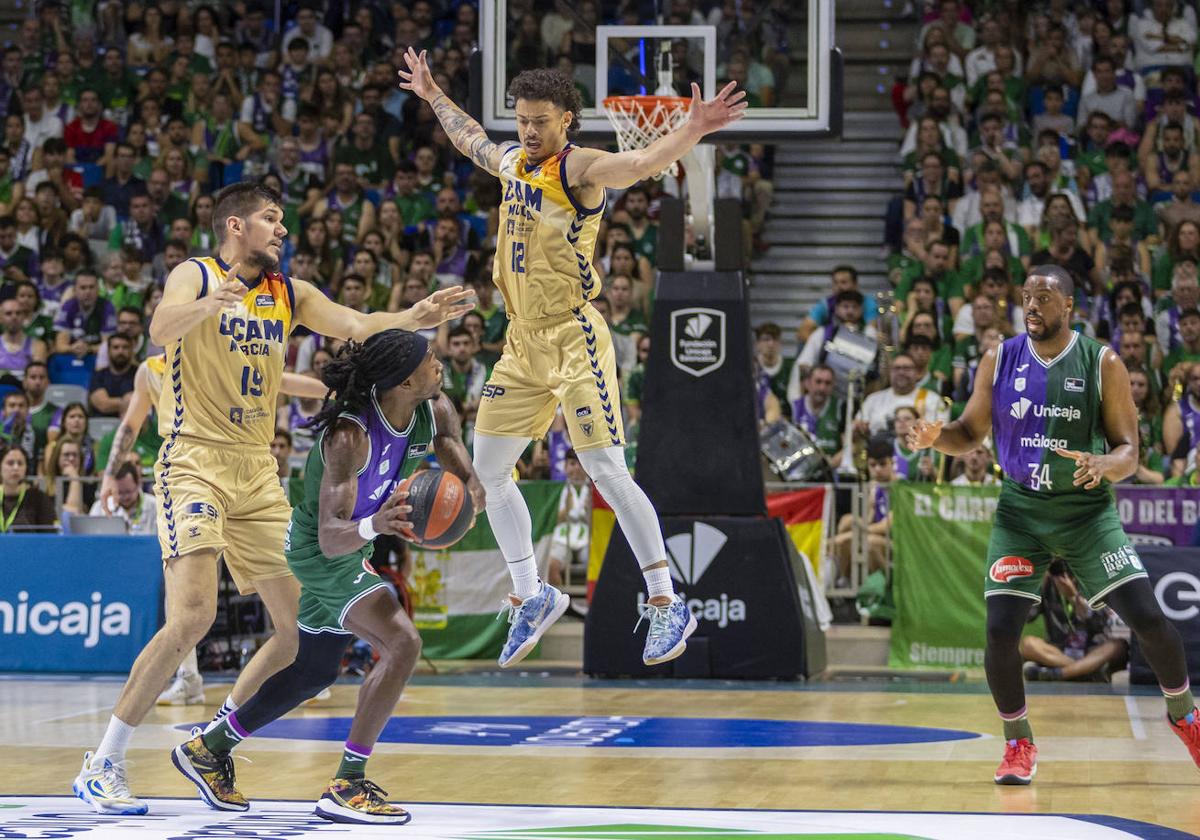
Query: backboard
[(780, 51)]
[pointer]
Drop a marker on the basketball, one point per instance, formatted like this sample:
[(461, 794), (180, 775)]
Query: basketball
[(441, 508)]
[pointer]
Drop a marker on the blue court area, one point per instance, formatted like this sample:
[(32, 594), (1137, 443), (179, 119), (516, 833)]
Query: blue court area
[(615, 731)]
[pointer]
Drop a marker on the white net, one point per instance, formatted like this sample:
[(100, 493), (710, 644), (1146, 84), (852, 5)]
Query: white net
[(640, 120)]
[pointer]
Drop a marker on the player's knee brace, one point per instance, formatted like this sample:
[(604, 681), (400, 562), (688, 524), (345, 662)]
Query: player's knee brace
[(1006, 615), (316, 666)]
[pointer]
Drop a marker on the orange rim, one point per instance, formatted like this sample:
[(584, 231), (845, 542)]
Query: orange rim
[(646, 105)]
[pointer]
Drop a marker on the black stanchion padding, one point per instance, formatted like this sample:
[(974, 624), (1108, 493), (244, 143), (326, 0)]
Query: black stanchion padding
[(671, 234), (1175, 575), (738, 575), (729, 252), (698, 445)]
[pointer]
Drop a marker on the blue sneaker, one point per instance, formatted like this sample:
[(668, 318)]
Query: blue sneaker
[(670, 626), (529, 620)]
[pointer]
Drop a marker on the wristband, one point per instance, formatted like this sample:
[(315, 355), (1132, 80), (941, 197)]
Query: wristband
[(366, 529)]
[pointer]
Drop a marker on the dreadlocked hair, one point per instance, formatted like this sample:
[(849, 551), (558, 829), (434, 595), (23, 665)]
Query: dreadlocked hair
[(352, 374)]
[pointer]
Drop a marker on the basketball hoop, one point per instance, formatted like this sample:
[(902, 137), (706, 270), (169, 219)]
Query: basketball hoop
[(640, 120)]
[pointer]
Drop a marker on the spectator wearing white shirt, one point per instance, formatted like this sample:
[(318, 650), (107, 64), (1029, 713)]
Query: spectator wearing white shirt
[(847, 310), (1037, 190), (879, 408), (968, 211), (982, 59), (1118, 102), (941, 109), (977, 469), (1161, 38), (320, 39), (995, 287), (40, 124), (138, 509)]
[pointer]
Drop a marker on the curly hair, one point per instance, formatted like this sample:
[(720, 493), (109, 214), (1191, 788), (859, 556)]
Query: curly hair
[(548, 86), (352, 374)]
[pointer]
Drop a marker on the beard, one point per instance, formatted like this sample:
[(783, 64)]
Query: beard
[(262, 261), (1049, 331)]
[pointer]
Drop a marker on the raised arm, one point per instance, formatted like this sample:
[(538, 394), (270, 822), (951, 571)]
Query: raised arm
[(467, 135), (182, 307), (968, 431), (599, 169), (450, 451), (324, 317), (345, 449)]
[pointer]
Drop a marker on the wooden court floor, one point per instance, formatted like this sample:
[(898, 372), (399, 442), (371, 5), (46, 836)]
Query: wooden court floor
[(1100, 753)]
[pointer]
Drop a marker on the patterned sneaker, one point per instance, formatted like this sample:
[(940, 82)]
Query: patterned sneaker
[(1020, 763), (102, 784), (211, 774), (184, 691), (359, 801), (1188, 731), (670, 626), (529, 620)]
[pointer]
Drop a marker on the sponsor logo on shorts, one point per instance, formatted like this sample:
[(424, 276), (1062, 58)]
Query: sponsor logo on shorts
[(367, 570), (1115, 561), (203, 509), (1009, 567), (1073, 384), (492, 392), (194, 531), (583, 412), (264, 300), (587, 428)]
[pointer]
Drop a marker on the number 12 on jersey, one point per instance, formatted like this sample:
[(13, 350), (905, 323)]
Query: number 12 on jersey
[(1039, 477), (518, 258)]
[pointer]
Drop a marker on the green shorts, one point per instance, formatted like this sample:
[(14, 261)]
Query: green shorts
[(1029, 530), (329, 586)]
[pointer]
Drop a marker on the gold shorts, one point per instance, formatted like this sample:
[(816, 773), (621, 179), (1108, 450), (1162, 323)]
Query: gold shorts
[(224, 498), (566, 360)]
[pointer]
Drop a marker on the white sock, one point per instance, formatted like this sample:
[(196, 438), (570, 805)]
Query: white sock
[(190, 669), (524, 577), (227, 707), (658, 582), (507, 513), (115, 741), (629, 502)]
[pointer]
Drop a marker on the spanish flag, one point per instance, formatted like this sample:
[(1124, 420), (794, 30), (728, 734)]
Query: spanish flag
[(803, 512)]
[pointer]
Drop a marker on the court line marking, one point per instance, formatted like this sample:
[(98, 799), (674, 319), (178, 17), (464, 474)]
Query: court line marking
[(91, 711), (1135, 719)]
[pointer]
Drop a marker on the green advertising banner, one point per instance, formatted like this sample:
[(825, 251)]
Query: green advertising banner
[(458, 591), (939, 547)]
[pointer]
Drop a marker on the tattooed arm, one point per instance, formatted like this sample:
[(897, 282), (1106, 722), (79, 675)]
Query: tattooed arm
[(123, 439), (467, 135)]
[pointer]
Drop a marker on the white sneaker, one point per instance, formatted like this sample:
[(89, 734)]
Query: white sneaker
[(322, 695), (184, 691), (102, 784)]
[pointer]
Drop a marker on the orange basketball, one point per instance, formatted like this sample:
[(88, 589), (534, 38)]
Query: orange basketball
[(441, 508)]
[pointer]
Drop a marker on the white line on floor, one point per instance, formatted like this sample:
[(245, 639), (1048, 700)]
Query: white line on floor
[(1135, 719)]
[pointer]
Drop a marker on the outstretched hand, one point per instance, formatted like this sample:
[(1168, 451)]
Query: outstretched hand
[(443, 305), (418, 78), (726, 107)]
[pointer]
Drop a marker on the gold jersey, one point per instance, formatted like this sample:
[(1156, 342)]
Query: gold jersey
[(543, 263), (222, 378), (155, 367)]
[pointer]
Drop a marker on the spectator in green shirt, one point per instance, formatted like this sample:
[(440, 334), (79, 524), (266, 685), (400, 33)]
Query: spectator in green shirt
[(1182, 243), (372, 162), (644, 232), (415, 205), (1189, 349)]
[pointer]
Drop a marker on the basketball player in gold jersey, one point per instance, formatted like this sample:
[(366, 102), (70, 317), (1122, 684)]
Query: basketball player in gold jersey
[(225, 322), (187, 688), (558, 350)]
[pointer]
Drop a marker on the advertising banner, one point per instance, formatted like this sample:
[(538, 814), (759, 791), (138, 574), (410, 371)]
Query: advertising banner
[(939, 546), (1158, 515), (78, 603), (1175, 576)]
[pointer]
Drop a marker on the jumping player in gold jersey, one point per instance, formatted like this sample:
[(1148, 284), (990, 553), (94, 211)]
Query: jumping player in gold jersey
[(559, 351), (224, 322)]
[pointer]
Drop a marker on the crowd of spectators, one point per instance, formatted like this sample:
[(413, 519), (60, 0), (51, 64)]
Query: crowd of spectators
[(1060, 133), (120, 122)]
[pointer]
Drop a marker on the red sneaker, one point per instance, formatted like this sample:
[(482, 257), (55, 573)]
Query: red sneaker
[(1019, 765), (1188, 731)]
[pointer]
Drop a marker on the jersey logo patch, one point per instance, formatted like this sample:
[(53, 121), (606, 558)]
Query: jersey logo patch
[(385, 465), (587, 428), (264, 300), (235, 416), (1019, 384), (417, 450), (583, 412), (1073, 384), (1021, 407), (1009, 567)]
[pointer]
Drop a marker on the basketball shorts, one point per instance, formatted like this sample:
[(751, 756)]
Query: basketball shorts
[(566, 360), (329, 586), (1083, 530), (224, 498)]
